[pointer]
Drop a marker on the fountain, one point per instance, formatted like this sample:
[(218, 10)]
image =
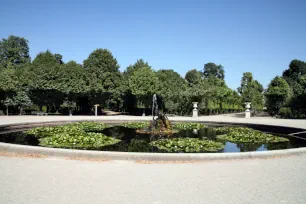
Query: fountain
[(160, 123)]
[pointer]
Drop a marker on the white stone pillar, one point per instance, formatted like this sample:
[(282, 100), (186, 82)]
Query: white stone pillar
[(96, 109), (247, 111), (195, 110)]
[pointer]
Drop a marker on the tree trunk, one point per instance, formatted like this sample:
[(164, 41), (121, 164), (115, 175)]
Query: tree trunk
[(144, 112), (7, 111), (70, 112), (40, 108)]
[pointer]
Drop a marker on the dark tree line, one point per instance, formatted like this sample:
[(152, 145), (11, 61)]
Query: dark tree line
[(46, 83), (286, 95)]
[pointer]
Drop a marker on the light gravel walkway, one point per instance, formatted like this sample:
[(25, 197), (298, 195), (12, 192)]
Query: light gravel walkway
[(50, 181), (218, 118), (53, 180)]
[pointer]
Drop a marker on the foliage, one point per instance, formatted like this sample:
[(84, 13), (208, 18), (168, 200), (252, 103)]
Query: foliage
[(188, 126), (103, 77), (277, 94), (43, 77), (71, 129), (140, 63), (143, 83), (187, 145), (14, 51), (135, 125), (80, 135), (251, 91), (79, 140), (246, 135), (213, 70), (285, 112), (193, 77), (171, 86), (90, 126)]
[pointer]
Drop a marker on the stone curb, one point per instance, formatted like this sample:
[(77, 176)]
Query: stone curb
[(88, 154)]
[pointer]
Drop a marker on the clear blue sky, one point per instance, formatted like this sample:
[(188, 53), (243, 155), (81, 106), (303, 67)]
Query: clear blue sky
[(259, 36)]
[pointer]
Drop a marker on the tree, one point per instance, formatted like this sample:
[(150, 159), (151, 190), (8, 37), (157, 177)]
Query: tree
[(43, 77), (171, 86), (251, 91), (138, 64), (14, 51), (213, 70), (193, 77), (293, 74), (13, 87), (277, 94), (143, 83), (72, 83), (21, 99), (59, 58), (103, 77)]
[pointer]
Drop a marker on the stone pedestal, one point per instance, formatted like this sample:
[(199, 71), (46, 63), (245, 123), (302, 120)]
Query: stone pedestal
[(247, 111), (195, 110), (247, 114), (96, 110)]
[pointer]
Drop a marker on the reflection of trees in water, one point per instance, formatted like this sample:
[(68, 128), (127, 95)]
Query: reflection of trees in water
[(138, 145), (279, 145), (19, 138), (247, 147), (207, 133)]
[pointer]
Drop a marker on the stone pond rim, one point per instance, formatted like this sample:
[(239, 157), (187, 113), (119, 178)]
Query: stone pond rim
[(107, 155)]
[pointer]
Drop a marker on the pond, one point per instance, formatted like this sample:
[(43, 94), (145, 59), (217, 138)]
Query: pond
[(132, 141)]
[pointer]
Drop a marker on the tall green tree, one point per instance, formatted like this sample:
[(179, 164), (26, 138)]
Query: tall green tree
[(251, 91), (43, 77), (143, 83), (295, 76), (213, 70), (103, 77), (277, 94), (8, 86), (193, 77), (14, 51), (72, 82), (171, 86), (13, 87), (138, 64)]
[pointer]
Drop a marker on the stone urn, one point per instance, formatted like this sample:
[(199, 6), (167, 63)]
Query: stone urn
[(195, 109), (247, 111)]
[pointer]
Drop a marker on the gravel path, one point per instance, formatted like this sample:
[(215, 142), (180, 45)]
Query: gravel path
[(48, 180)]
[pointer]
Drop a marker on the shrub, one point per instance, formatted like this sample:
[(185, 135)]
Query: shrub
[(285, 112), (187, 145)]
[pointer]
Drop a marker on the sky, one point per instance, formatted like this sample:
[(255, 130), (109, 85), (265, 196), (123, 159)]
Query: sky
[(258, 36)]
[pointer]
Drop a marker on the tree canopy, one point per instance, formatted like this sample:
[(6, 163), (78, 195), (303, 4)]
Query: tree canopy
[(213, 70), (14, 51), (48, 83), (277, 94)]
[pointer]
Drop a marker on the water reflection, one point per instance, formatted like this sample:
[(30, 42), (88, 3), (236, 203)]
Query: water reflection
[(136, 142)]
